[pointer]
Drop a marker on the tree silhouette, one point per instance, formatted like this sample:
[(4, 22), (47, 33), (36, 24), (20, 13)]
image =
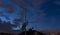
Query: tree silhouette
[(24, 25)]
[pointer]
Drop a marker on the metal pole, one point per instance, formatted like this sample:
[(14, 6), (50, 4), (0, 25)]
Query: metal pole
[(25, 20)]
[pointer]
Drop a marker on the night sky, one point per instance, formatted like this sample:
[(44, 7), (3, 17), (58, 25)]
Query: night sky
[(41, 14)]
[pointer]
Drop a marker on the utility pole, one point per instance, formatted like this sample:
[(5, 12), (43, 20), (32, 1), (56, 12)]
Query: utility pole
[(25, 20), (25, 23)]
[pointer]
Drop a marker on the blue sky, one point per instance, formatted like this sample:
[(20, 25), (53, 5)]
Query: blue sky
[(44, 15)]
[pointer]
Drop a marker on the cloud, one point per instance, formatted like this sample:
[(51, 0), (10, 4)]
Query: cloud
[(7, 17), (57, 2), (21, 4), (17, 21), (1, 14), (40, 15), (9, 9), (21, 13), (6, 26)]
